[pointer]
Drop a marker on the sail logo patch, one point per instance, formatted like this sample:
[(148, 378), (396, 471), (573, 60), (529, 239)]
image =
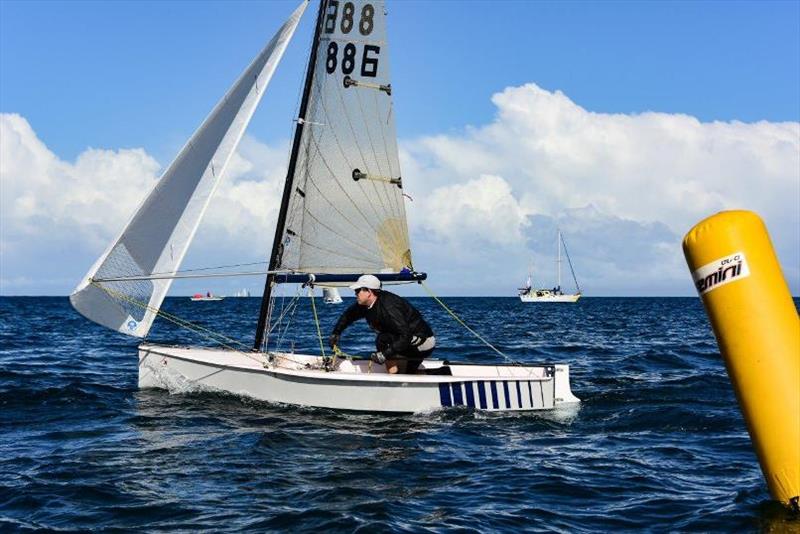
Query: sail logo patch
[(720, 272)]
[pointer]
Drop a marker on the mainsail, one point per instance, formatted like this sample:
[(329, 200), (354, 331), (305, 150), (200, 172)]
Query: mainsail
[(157, 237), (345, 211), (342, 212)]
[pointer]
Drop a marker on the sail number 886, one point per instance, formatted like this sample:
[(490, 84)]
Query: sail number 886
[(369, 59)]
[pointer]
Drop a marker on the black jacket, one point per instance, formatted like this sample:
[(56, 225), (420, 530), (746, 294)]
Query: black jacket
[(390, 314)]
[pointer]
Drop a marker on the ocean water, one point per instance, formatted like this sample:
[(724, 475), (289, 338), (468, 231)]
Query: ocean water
[(658, 443)]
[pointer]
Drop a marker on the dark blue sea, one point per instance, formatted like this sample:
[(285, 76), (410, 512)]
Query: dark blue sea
[(658, 443)]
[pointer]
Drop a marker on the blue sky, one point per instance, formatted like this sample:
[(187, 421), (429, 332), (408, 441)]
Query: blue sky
[(142, 75)]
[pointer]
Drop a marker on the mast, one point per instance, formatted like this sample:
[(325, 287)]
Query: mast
[(277, 246), (558, 261)]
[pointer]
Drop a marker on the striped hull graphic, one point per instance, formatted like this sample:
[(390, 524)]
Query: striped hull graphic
[(500, 395)]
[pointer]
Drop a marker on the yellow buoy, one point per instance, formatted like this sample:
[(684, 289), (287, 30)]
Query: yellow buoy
[(739, 279)]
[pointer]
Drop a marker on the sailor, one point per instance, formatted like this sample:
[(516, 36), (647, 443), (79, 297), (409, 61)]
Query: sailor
[(404, 338)]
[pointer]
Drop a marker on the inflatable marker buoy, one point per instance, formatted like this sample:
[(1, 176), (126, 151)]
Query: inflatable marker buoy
[(739, 279)]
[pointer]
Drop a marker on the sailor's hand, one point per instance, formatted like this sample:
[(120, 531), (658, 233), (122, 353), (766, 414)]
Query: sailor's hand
[(377, 357), (333, 340)]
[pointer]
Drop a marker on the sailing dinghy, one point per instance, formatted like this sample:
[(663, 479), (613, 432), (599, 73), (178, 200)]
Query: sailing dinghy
[(342, 215)]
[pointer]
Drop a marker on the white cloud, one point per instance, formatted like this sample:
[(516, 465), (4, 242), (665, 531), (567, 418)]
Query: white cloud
[(484, 209), (648, 179), (624, 188), (57, 216)]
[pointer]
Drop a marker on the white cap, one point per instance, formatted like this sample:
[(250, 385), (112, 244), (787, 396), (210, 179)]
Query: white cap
[(367, 280)]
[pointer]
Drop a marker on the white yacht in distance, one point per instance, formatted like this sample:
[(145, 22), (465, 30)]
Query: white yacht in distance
[(530, 294)]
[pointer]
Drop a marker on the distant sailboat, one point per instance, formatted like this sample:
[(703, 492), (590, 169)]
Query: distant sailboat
[(330, 295), (529, 294), (342, 215), (242, 293), (207, 297)]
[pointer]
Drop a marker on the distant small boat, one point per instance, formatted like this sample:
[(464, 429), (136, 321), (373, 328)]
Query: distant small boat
[(330, 295), (529, 294), (208, 296), (242, 293)]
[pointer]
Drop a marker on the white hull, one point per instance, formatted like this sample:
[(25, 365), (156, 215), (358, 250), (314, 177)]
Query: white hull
[(532, 297), (203, 299), (354, 385)]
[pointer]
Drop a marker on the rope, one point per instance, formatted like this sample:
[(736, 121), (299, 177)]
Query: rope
[(316, 321), (462, 323), (177, 276), (574, 278), (205, 332)]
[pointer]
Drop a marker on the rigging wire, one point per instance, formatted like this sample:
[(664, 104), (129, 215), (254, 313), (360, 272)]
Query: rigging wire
[(211, 268), (569, 261), (462, 323), (183, 277), (216, 337), (316, 320)]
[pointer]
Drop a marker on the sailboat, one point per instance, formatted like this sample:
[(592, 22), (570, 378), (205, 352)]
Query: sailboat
[(528, 293), (342, 215), (207, 297), (330, 295)]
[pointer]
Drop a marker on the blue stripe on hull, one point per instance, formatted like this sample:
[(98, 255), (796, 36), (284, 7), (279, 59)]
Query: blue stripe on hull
[(508, 397), (482, 394), (519, 395), (495, 403), (444, 395), (530, 393), (469, 394), (457, 400)]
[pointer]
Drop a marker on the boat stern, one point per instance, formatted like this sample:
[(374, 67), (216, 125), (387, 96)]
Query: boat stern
[(563, 393)]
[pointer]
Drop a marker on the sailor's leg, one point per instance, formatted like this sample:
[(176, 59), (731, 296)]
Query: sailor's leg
[(415, 360), (382, 342)]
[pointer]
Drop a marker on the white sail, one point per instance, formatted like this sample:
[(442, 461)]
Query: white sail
[(159, 233), (346, 211)]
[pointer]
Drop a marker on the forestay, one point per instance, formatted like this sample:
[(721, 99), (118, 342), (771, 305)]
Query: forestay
[(157, 237), (345, 211)]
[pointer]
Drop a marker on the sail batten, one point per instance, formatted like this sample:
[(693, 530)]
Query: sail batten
[(158, 235)]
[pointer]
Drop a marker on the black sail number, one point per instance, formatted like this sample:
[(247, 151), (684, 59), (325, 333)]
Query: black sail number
[(331, 61), (330, 16), (369, 59), (369, 64), (347, 17), (366, 21), (349, 58)]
